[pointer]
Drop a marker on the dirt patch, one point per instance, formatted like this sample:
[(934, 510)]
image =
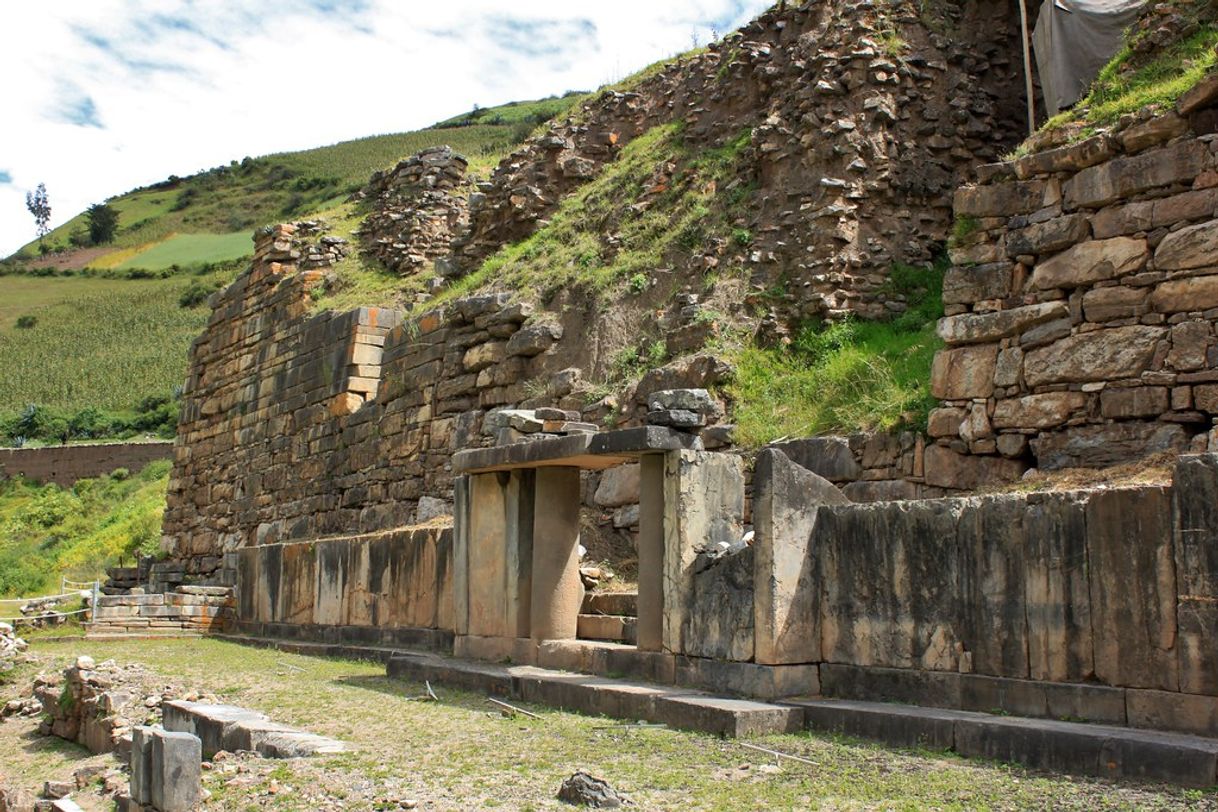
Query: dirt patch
[(1155, 469), (71, 260)]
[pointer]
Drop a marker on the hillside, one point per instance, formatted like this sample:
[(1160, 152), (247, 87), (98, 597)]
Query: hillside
[(108, 327)]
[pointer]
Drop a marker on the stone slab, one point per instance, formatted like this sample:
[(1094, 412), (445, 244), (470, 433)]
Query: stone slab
[(589, 451)]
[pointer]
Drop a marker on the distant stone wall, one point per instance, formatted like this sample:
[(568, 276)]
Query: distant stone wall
[(393, 588), (65, 464), (1081, 307)]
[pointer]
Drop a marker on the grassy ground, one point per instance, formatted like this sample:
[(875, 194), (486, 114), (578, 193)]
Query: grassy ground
[(47, 531), (192, 249), (458, 754)]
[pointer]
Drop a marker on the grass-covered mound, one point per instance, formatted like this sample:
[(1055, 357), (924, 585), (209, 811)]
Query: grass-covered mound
[(47, 531)]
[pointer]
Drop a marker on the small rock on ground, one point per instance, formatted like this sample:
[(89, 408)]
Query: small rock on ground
[(582, 789)]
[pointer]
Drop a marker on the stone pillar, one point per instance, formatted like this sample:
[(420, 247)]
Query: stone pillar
[(177, 771), (498, 556), (651, 553), (461, 519), (556, 587)]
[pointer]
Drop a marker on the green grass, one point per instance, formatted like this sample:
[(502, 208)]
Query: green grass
[(47, 531), (458, 753), (189, 249), (1125, 86), (105, 343), (846, 377)]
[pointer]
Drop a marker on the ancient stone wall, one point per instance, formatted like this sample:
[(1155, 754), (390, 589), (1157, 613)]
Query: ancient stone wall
[(64, 464), (393, 588), (1082, 300)]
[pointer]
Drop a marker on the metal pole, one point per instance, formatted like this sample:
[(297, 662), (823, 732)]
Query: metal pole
[(1027, 66)]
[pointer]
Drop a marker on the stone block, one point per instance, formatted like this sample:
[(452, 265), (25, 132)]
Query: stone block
[(1127, 218), (1189, 248), (945, 468), (977, 328), (1068, 158), (533, 340), (177, 771), (939, 689), (1045, 238), (1057, 589), (828, 457), (141, 764), (1098, 355), (1170, 710), (1101, 446), (1154, 130), (895, 725), (991, 599), (945, 421), (786, 502), (974, 283), (1037, 411), (1006, 199), (1188, 294), (1190, 342), (748, 679), (1195, 492), (618, 486), (1133, 588), (1140, 401), (963, 373), (1090, 262), (1106, 304), (1118, 178)]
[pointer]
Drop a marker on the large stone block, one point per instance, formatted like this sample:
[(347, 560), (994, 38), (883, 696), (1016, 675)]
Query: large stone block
[(945, 468), (1006, 199), (1190, 247), (1057, 589), (993, 626), (500, 553), (719, 621), (828, 457), (1092, 261), (1133, 588), (1103, 445), (1125, 177), (974, 283), (1045, 238), (1183, 295), (1140, 401), (786, 502), (977, 328), (1037, 411), (964, 373), (177, 771), (1106, 304), (1196, 555), (1098, 355)]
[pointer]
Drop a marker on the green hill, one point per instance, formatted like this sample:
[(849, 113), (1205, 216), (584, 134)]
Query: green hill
[(93, 339)]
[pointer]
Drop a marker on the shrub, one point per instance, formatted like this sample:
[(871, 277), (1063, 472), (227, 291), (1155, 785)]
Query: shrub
[(26, 322), (196, 293)]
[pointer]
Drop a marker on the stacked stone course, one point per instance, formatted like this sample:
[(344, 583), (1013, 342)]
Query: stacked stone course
[(1081, 309)]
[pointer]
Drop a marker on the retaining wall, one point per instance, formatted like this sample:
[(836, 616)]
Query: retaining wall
[(65, 464)]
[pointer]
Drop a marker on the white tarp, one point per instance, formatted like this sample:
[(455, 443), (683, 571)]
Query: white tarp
[(1074, 39)]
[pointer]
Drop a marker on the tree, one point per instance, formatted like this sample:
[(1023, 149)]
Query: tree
[(103, 222), (40, 206)]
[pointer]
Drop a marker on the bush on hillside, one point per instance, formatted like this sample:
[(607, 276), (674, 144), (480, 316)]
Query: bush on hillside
[(26, 322), (153, 415)]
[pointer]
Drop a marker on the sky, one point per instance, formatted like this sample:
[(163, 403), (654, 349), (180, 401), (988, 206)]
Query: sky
[(101, 96)]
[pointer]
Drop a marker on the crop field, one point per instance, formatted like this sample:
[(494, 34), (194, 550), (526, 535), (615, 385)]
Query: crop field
[(187, 249), (105, 343)]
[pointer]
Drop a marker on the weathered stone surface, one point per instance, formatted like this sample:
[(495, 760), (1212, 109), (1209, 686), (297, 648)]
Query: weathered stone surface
[(1092, 261), (1154, 130), (484, 355), (582, 789), (1045, 238), (1190, 247), (1006, 199), (1125, 177), (967, 284), (944, 422), (1106, 304), (1200, 95), (618, 486), (1098, 355), (945, 468), (1126, 218), (177, 772), (1133, 588), (1180, 295), (1140, 401), (1058, 598), (1205, 398), (533, 339), (719, 619), (1100, 446), (975, 328), (1170, 710), (689, 400), (1195, 493), (990, 536), (695, 371), (1009, 367), (1070, 158), (828, 457), (966, 372), (1037, 411), (787, 498)]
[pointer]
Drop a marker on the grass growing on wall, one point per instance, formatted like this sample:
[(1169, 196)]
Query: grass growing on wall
[(47, 531), (843, 377)]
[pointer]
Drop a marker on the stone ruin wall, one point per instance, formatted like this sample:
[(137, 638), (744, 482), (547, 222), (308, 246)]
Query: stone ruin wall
[(1081, 307)]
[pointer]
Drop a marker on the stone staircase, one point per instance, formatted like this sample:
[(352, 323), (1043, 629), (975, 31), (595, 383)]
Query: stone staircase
[(609, 616)]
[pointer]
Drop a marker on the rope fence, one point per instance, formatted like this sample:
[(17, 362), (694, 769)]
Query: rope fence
[(89, 591), (43, 616), (77, 593)]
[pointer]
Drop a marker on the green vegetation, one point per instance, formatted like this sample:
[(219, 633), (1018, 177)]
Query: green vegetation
[(188, 249), (102, 343), (41, 424), (1128, 82), (47, 531), (845, 376), (672, 218), (457, 753)]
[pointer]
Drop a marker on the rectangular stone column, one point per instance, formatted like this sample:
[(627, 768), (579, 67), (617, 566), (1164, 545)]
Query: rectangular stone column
[(556, 587), (651, 553), (498, 554)]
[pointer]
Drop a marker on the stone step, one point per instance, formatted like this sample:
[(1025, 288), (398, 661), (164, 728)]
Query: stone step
[(1070, 747), (611, 603), (619, 628), (143, 634), (621, 699)]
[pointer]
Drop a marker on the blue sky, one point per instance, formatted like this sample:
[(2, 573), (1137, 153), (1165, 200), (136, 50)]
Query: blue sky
[(105, 95)]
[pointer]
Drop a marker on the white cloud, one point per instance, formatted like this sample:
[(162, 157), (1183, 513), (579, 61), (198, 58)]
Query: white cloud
[(105, 95)]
